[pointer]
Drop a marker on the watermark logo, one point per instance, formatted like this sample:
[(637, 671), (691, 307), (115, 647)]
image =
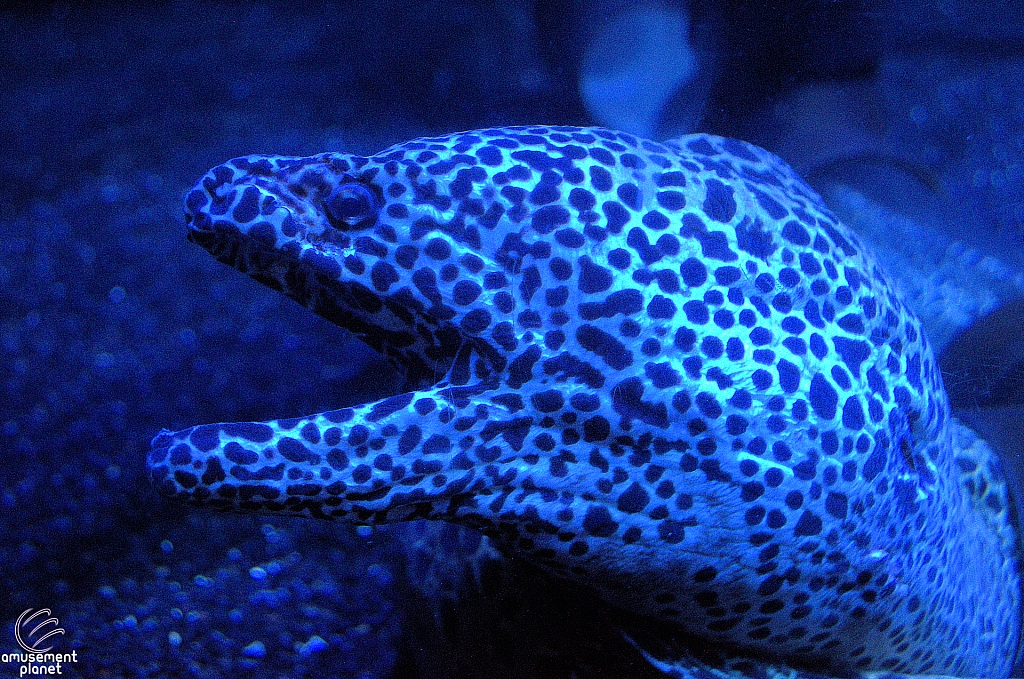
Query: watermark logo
[(31, 640), (35, 631)]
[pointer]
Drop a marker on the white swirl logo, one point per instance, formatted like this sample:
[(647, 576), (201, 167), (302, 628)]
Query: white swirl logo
[(44, 628)]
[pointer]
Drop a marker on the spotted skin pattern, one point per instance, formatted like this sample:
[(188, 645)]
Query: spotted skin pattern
[(663, 370)]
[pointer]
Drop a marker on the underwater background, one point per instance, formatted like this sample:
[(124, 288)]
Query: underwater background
[(907, 116)]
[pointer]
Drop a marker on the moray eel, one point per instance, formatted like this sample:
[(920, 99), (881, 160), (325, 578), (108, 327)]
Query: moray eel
[(665, 371)]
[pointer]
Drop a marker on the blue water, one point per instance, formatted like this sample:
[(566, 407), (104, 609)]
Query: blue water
[(112, 326)]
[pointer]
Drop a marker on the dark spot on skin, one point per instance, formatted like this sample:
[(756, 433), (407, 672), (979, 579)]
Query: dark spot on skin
[(719, 203), (548, 401), (598, 522), (239, 455), (547, 218), (593, 278), (633, 499), (611, 350), (823, 397), (205, 438), (809, 524)]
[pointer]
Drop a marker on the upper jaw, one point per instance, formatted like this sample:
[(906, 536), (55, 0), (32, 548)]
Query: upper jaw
[(264, 217), (421, 348)]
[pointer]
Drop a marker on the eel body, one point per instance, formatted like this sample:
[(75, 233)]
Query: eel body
[(665, 371)]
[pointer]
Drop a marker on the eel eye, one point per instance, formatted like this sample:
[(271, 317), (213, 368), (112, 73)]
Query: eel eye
[(351, 204)]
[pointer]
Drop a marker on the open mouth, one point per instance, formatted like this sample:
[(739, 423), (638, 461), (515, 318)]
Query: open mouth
[(264, 466), (420, 347)]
